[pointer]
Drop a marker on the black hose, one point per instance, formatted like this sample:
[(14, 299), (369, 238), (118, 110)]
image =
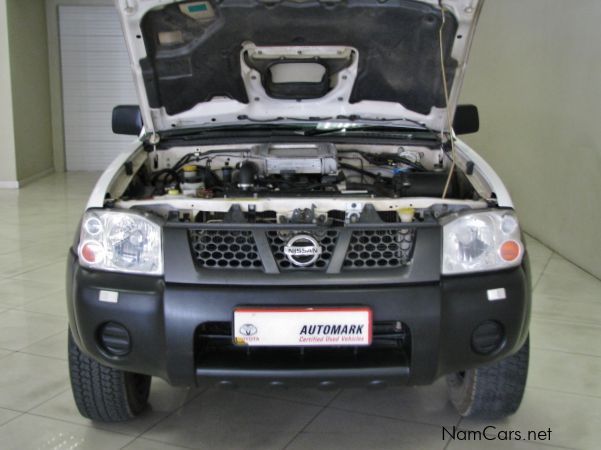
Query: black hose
[(364, 172), (170, 172)]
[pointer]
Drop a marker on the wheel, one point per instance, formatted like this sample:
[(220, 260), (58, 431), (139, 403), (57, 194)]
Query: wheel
[(104, 394), (491, 392)]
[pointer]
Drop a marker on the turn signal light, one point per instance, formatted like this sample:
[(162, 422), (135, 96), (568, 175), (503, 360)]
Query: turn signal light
[(91, 252), (510, 251)]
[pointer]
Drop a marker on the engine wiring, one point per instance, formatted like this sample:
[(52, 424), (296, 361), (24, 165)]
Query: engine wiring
[(231, 173), (355, 158)]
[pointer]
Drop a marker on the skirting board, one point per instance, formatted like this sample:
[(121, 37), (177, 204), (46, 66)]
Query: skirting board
[(9, 185), (19, 184)]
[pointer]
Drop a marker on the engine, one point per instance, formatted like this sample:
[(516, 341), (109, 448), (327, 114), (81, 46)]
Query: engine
[(315, 159), (284, 164), (296, 171), (315, 183)]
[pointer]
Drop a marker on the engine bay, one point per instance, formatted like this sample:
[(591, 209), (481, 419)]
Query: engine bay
[(319, 183), (297, 170)]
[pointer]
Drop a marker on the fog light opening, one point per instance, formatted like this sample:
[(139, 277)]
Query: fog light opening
[(114, 339), (488, 337)]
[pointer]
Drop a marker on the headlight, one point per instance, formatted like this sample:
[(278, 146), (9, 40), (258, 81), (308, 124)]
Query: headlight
[(120, 242), (481, 241)]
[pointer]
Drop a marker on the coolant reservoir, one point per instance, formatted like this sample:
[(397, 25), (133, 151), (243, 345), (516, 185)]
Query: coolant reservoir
[(406, 214)]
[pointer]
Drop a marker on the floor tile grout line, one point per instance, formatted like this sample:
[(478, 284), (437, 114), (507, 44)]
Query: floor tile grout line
[(38, 298), (70, 422), (565, 352), (171, 413), (20, 274), (100, 427), (160, 442), (553, 252), (323, 408), (461, 419), (575, 394), (535, 285), (380, 416), (275, 397), (23, 307), (552, 350), (63, 316), (13, 410), (55, 358), (569, 261), (46, 401), (10, 352), (128, 443), (21, 352), (565, 299), (50, 336), (572, 321), (36, 312), (383, 416), (567, 322), (43, 296), (20, 414)]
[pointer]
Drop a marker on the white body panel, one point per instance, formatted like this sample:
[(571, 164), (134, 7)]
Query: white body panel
[(114, 181), (222, 110), (110, 176), (484, 176)]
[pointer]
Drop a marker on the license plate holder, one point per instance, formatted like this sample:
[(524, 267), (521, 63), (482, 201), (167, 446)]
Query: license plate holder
[(303, 327)]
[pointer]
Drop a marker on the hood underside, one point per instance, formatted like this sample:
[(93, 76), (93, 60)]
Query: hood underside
[(204, 62)]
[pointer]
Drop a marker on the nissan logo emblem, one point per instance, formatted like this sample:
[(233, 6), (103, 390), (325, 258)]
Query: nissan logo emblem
[(302, 250), (248, 329)]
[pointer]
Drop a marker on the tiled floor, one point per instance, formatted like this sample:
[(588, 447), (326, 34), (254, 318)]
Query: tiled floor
[(37, 411)]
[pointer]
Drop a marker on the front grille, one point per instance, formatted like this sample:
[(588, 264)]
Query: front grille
[(372, 249), (225, 249), (327, 239), (264, 248)]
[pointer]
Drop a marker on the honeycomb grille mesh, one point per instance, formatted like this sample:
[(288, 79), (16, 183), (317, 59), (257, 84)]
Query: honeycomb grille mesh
[(380, 249), (367, 250), (326, 239), (223, 249)]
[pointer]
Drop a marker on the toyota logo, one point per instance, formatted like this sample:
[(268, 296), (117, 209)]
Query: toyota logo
[(248, 329), (302, 250)]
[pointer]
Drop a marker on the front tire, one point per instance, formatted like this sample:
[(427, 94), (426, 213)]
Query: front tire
[(491, 392), (103, 394)]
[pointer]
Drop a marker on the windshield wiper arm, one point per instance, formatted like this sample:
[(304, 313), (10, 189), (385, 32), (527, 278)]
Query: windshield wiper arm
[(411, 133)]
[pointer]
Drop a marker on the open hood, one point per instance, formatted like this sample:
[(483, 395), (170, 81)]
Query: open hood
[(203, 63)]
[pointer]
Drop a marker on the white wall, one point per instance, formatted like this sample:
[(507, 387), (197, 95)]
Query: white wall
[(96, 76), (535, 73), (30, 87), (8, 165), (25, 117)]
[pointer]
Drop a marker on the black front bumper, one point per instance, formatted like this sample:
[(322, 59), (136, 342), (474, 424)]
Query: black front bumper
[(163, 321)]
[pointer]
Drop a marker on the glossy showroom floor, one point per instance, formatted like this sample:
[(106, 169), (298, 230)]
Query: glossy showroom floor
[(37, 412)]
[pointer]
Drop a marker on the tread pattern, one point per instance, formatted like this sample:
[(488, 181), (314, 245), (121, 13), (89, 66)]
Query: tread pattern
[(101, 393), (494, 391)]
